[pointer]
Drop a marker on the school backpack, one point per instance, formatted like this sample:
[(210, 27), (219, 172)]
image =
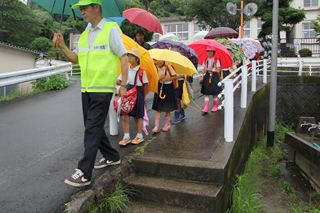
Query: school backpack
[(129, 101)]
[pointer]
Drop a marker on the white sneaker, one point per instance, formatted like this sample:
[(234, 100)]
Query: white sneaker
[(102, 163)]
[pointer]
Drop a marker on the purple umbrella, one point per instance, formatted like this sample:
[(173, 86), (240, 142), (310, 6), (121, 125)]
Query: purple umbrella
[(179, 47), (222, 32)]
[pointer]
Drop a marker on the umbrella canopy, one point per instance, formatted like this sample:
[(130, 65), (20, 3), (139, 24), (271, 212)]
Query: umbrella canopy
[(110, 8), (146, 63), (222, 54), (222, 32), (250, 46), (235, 50), (144, 19), (179, 47), (199, 35), (169, 36), (181, 64)]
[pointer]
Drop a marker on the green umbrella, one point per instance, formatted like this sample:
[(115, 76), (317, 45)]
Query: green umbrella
[(235, 50), (110, 8)]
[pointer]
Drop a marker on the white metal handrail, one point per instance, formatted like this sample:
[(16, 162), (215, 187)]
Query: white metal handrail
[(10, 78), (227, 94)]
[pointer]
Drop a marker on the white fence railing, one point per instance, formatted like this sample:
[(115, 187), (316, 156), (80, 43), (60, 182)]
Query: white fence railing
[(17, 77), (231, 83), (311, 64)]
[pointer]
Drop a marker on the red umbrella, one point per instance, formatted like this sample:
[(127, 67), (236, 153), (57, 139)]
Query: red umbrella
[(144, 19), (222, 32), (222, 53)]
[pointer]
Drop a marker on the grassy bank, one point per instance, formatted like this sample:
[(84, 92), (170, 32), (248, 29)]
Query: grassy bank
[(264, 188)]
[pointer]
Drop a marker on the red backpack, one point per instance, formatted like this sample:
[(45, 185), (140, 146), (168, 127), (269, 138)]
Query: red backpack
[(130, 100)]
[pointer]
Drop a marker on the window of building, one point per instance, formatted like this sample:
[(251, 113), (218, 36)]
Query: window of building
[(307, 30), (179, 29), (246, 29), (259, 26), (310, 3), (196, 28)]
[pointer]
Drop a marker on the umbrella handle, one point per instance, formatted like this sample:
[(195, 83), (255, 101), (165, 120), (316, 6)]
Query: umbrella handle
[(161, 96)]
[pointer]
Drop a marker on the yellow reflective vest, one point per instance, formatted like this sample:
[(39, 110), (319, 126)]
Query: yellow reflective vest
[(98, 64)]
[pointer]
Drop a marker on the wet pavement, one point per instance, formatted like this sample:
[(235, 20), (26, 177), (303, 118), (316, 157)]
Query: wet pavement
[(41, 141)]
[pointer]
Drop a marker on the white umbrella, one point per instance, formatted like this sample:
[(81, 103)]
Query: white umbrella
[(169, 36), (200, 35)]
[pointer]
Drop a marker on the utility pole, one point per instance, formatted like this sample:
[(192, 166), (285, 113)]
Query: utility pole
[(241, 19), (274, 66)]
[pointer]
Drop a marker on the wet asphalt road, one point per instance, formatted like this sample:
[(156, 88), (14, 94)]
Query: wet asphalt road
[(41, 141)]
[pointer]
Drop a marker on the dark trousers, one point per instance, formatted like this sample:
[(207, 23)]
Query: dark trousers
[(95, 108)]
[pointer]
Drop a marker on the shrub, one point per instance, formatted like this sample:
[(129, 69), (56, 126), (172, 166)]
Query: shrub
[(55, 82), (41, 44), (305, 52)]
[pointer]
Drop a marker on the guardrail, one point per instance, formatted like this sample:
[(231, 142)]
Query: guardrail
[(17, 77), (227, 94)]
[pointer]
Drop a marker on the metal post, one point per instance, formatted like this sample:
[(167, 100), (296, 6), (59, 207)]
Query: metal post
[(300, 66), (265, 70), (254, 76), (273, 84), (113, 124), (310, 70), (241, 19), (244, 86), (4, 91), (228, 110)]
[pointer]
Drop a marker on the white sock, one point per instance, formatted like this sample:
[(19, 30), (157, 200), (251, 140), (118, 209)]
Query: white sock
[(139, 135), (206, 98), (126, 136)]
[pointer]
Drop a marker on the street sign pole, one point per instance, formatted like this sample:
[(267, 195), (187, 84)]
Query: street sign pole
[(273, 83)]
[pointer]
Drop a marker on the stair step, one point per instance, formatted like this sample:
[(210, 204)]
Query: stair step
[(151, 207), (186, 194), (176, 168)]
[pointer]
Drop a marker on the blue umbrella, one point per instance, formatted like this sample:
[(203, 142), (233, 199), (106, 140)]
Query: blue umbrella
[(119, 20), (179, 47)]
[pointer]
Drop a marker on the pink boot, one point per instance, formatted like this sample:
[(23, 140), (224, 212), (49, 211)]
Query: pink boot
[(215, 105), (156, 124), (166, 126), (205, 106)]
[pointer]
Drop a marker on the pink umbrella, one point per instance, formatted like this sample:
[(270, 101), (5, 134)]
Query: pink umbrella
[(144, 19), (222, 53)]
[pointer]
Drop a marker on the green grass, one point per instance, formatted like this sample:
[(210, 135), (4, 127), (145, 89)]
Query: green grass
[(116, 202), (263, 160)]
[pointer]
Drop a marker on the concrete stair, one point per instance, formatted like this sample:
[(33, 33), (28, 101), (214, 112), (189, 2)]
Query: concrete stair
[(175, 185), (177, 168)]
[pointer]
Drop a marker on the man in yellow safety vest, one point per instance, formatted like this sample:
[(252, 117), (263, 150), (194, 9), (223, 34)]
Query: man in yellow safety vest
[(99, 52)]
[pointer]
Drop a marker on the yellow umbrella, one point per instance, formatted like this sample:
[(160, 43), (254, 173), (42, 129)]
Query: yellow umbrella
[(146, 63), (181, 64)]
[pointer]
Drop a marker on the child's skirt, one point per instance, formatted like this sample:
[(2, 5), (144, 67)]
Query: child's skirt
[(169, 103), (210, 84)]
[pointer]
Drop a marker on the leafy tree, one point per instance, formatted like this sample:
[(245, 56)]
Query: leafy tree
[(316, 26), (42, 44), (288, 17), (211, 13), (18, 25)]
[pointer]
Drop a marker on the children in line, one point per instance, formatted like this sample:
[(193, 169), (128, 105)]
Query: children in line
[(211, 77), (165, 100), (136, 77)]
